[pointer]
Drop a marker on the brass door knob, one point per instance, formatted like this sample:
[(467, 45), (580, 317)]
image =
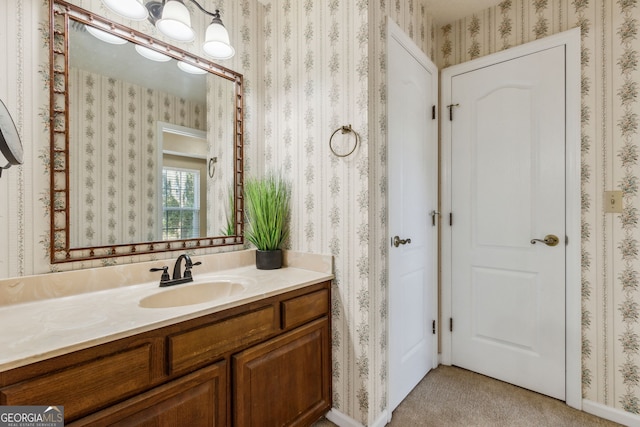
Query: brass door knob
[(549, 240), (397, 241)]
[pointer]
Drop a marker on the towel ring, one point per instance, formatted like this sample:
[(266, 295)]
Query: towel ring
[(212, 166), (344, 129)]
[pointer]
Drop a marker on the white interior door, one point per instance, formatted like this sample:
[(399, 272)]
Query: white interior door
[(507, 188), (413, 175)]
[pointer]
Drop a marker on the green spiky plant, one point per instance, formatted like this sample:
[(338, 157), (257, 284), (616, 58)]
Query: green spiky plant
[(267, 211), (230, 214)]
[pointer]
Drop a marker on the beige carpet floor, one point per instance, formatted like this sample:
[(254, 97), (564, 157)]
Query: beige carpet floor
[(452, 397)]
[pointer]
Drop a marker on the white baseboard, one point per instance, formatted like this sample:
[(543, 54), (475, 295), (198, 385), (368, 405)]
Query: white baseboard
[(607, 412), (612, 414), (343, 420), (382, 420)]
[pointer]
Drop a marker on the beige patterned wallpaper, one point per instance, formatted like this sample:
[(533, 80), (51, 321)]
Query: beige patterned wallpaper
[(220, 133), (131, 169), (610, 109), (325, 68), (126, 208), (322, 66), (23, 217)]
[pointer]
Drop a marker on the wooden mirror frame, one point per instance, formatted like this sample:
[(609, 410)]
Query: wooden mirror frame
[(60, 250)]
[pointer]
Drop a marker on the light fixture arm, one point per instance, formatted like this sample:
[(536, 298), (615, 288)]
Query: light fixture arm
[(214, 14), (155, 10)]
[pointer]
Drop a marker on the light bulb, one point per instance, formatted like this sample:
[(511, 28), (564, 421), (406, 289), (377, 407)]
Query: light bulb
[(104, 36), (192, 69), (217, 43), (176, 22), (152, 54), (132, 9)]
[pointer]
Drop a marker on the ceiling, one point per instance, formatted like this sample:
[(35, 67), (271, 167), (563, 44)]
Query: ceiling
[(448, 11)]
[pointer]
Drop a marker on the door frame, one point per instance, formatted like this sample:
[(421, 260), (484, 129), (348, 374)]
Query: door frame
[(161, 129), (396, 33), (573, 330)]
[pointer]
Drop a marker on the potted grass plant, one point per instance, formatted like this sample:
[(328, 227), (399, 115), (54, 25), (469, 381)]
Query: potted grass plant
[(267, 213)]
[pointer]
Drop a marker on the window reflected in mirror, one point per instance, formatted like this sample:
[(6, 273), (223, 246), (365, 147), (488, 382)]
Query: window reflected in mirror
[(181, 217)]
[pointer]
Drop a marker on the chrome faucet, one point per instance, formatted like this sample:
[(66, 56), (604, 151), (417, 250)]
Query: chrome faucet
[(178, 277)]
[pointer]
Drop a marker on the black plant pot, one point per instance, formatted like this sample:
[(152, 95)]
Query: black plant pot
[(268, 260)]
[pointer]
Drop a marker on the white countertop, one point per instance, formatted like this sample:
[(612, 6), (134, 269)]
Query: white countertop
[(38, 330)]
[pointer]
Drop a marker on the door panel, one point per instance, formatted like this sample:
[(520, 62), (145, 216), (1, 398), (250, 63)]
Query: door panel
[(506, 145), (508, 157), (511, 325), (412, 176)]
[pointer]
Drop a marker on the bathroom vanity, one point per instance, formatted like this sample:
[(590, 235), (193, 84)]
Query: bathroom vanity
[(263, 360)]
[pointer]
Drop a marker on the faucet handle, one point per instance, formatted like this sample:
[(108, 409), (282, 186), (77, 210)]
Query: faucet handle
[(187, 269), (165, 273)]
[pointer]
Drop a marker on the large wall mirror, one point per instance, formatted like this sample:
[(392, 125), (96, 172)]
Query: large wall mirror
[(146, 143)]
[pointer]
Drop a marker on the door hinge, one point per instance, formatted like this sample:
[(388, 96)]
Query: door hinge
[(450, 218), (450, 107), (433, 327), (450, 324), (433, 112)]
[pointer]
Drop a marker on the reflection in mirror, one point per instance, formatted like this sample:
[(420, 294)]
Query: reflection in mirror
[(154, 152), (11, 151), (183, 187)]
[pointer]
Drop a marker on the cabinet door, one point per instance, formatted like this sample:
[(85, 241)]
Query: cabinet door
[(285, 381), (197, 399)]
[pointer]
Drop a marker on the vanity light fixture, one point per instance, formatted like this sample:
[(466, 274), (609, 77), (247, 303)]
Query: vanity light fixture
[(175, 21), (216, 41), (152, 54), (172, 18)]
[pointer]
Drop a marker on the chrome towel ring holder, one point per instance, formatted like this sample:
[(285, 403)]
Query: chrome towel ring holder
[(344, 129)]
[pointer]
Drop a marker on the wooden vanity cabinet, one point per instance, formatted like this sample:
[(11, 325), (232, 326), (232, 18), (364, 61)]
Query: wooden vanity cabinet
[(265, 363), (282, 382), (196, 399), (90, 379), (286, 381)]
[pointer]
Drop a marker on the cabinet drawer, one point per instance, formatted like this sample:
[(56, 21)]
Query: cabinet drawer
[(299, 310), (197, 399), (86, 387), (201, 345)]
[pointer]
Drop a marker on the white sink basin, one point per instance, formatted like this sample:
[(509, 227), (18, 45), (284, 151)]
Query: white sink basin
[(188, 294)]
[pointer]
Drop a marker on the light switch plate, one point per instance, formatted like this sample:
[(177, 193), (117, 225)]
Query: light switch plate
[(613, 201)]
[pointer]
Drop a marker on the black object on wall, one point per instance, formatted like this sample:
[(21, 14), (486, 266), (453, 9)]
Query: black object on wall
[(10, 145)]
